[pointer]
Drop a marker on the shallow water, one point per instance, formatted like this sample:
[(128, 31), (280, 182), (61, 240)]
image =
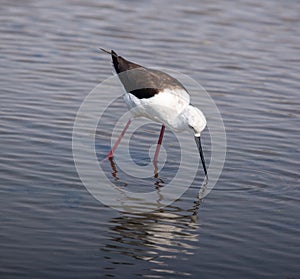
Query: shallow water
[(245, 54)]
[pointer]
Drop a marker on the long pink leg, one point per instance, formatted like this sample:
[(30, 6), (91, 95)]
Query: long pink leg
[(112, 151), (162, 130)]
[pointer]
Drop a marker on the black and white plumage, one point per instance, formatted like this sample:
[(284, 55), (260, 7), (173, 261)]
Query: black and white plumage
[(160, 97)]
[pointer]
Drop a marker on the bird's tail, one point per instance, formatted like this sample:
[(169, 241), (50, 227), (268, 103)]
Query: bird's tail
[(109, 52)]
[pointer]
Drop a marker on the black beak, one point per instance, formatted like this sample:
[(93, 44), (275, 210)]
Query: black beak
[(198, 142)]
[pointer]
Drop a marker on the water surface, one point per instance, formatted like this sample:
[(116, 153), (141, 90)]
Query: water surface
[(245, 54)]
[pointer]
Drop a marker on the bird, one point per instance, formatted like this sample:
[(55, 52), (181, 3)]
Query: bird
[(158, 96)]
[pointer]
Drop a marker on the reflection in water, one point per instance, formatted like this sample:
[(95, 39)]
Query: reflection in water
[(154, 238), (114, 171)]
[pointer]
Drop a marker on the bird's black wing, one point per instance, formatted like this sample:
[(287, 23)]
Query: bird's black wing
[(140, 81)]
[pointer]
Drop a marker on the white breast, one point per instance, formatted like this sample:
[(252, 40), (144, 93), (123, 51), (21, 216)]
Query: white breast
[(164, 107)]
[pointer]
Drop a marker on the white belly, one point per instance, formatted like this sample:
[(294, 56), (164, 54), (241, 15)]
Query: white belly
[(164, 107)]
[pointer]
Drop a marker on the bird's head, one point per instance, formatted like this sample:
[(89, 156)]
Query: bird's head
[(196, 121)]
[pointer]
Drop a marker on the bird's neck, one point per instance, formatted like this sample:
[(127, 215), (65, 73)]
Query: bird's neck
[(182, 120)]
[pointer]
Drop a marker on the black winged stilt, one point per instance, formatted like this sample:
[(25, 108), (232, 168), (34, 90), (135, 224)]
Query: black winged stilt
[(158, 96)]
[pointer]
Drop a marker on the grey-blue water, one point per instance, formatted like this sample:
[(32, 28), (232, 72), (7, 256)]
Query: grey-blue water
[(247, 56)]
